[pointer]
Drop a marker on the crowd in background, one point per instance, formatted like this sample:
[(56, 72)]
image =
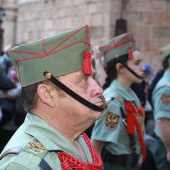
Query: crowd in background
[(12, 114), (144, 91)]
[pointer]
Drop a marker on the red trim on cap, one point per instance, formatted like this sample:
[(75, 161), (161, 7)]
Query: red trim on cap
[(115, 44), (87, 36), (48, 54), (118, 44), (43, 46), (35, 55), (68, 38)]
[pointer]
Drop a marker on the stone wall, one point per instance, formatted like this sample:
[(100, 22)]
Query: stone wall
[(148, 20), (10, 21)]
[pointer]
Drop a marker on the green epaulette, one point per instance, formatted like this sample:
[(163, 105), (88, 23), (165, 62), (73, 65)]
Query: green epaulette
[(36, 148), (35, 157)]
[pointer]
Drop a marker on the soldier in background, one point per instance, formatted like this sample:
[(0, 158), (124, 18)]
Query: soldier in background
[(98, 64), (161, 103), (118, 134)]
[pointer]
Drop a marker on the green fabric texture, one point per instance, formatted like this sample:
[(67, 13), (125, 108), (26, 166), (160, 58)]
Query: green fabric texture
[(36, 128), (60, 54), (165, 51), (118, 46)]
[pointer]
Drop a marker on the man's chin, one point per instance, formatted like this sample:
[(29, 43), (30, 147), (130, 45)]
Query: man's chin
[(98, 115)]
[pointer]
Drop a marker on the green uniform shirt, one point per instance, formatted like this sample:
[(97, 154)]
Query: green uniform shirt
[(161, 99), (115, 136), (36, 127)]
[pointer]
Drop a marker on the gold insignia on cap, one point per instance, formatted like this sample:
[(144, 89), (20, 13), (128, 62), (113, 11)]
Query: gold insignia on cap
[(116, 55), (166, 98), (35, 146), (47, 75), (111, 120)]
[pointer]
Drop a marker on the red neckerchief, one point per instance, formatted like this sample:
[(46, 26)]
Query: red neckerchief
[(68, 161), (133, 122)]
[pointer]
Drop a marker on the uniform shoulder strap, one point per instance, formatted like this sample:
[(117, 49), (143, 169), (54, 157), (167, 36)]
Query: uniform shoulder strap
[(34, 147), (166, 85), (11, 151), (119, 98)]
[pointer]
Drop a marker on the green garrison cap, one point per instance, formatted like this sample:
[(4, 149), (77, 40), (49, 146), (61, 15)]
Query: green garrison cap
[(118, 46), (165, 51), (60, 54)]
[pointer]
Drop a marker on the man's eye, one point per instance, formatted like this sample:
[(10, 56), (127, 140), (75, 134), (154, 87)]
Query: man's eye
[(85, 79)]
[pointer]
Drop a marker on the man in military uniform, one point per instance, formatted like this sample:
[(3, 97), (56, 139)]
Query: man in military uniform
[(61, 99), (161, 102), (118, 134)]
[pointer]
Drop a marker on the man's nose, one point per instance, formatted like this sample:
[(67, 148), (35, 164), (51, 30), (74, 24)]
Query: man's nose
[(96, 89)]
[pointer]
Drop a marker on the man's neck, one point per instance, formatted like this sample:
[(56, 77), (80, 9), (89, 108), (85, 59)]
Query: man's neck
[(60, 122)]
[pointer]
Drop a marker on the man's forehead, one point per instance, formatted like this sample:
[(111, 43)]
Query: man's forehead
[(72, 76), (81, 74), (76, 75)]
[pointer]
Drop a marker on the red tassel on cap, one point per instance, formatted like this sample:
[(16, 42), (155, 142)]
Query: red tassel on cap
[(87, 63), (130, 55)]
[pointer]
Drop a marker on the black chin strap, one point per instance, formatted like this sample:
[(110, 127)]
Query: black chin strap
[(50, 77), (130, 70)]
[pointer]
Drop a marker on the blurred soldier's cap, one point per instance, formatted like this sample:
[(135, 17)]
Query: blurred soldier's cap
[(118, 46), (7, 47), (148, 69), (60, 54), (165, 51)]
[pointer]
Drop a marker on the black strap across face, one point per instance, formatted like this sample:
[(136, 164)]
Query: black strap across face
[(50, 77), (130, 70)]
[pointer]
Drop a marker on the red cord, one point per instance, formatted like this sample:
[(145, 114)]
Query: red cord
[(132, 122), (68, 161)]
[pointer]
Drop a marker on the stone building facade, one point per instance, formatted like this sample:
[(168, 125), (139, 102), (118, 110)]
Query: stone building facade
[(148, 20)]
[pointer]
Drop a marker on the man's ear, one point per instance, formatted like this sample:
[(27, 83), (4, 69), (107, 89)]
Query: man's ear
[(45, 94)]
